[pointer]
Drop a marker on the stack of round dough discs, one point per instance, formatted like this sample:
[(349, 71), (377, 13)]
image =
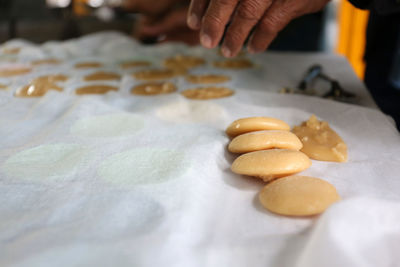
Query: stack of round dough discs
[(270, 151)]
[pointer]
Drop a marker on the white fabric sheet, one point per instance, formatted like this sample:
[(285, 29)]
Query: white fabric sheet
[(124, 180)]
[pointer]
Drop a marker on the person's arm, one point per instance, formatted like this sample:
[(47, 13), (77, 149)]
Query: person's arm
[(383, 7)]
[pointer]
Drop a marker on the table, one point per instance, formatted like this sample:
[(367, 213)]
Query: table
[(124, 180)]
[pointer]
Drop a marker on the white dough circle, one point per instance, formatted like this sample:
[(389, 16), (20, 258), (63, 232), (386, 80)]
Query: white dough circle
[(114, 125), (144, 166), (46, 162)]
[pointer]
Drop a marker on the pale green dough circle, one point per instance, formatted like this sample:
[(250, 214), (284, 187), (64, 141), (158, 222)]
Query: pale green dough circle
[(114, 125), (144, 166), (45, 162)]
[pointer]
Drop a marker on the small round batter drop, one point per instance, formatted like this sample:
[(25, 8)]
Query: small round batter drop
[(205, 93), (207, 78), (95, 89), (102, 76), (154, 88)]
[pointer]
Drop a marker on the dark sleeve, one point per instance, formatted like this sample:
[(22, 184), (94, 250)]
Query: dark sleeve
[(383, 7), (386, 7), (363, 4)]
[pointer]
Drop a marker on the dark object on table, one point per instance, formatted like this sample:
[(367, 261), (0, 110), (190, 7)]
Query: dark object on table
[(336, 91)]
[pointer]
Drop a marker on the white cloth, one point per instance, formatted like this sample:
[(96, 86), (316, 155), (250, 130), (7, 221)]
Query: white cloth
[(124, 180)]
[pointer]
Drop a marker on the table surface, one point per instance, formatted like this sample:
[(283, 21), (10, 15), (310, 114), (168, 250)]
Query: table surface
[(126, 180)]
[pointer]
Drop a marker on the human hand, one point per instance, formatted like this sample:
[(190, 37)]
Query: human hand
[(267, 17), (171, 27)]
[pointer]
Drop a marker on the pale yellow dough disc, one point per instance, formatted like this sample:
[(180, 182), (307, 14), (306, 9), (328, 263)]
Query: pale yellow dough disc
[(204, 93), (252, 124), (86, 65), (262, 140), (102, 76), (134, 64), (12, 50), (182, 61), (14, 71), (207, 78), (95, 89), (271, 164), (298, 196), (154, 88), (156, 74), (320, 142), (49, 61)]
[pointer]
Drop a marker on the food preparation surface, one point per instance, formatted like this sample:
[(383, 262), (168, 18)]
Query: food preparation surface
[(120, 179)]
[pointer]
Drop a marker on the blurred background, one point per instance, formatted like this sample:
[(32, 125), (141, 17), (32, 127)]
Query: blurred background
[(340, 28)]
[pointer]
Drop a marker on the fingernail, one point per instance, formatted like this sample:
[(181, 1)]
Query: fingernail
[(226, 51), (193, 21), (206, 41)]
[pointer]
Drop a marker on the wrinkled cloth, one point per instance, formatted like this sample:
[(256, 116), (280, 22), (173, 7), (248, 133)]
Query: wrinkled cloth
[(125, 180)]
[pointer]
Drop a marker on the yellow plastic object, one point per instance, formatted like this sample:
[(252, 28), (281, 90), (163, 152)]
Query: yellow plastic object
[(352, 34)]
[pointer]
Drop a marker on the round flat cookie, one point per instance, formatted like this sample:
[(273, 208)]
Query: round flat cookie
[(102, 76), (204, 93), (183, 61), (155, 74), (154, 88), (14, 71), (263, 140), (49, 61), (271, 164), (298, 196), (134, 64), (11, 50), (253, 124), (207, 78), (95, 89), (88, 65)]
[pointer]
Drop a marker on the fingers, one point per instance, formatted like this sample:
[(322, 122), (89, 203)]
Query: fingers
[(273, 21), (247, 15), (214, 21), (196, 11)]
